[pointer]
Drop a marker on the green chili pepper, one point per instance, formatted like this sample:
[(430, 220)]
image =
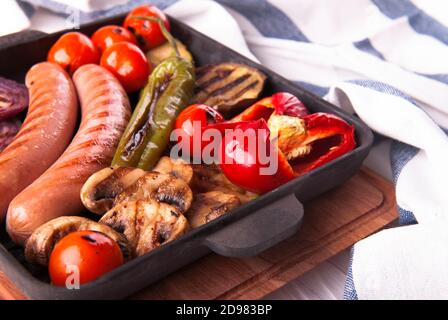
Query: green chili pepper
[(169, 90)]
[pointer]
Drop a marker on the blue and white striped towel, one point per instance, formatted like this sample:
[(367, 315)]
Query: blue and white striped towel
[(386, 60)]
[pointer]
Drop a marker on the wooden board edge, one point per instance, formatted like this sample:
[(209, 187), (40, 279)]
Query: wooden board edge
[(280, 274), (8, 290)]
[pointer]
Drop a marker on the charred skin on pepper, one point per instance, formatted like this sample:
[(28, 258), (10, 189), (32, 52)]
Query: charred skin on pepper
[(169, 89), (321, 136), (303, 141), (281, 103), (330, 138)]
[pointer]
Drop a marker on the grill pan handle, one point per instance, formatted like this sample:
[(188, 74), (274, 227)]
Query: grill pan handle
[(20, 37), (259, 231)]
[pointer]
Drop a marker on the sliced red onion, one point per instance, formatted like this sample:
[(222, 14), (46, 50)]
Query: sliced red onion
[(8, 130), (13, 98)]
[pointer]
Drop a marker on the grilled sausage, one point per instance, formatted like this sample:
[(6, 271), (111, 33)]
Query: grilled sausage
[(105, 113), (48, 128)]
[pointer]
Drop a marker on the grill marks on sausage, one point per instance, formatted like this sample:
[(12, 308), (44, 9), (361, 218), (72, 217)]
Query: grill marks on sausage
[(41, 98), (69, 163), (34, 117), (94, 129), (99, 126), (31, 124), (30, 127), (99, 115), (6, 159), (27, 130), (16, 145), (83, 145)]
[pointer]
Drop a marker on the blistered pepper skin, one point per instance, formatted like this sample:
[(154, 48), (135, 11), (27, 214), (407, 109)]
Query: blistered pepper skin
[(168, 92), (299, 133)]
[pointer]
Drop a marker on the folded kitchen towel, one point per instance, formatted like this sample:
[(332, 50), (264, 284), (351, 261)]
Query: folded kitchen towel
[(383, 60), (89, 5), (12, 18)]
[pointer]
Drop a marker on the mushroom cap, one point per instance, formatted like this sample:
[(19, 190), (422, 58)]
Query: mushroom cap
[(100, 190), (40, 245)]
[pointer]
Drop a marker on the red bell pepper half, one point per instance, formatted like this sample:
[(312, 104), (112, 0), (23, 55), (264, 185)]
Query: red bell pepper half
[(307, 140), (288, 139), (282, 103), (329, 136)]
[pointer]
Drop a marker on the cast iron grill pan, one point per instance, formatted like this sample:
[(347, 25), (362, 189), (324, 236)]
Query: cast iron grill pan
[(247, 231)]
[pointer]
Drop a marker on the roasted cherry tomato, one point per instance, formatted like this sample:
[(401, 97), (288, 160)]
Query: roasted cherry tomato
[(83, 256), (148, 33), (191, 124), (72, 51), (128, 63), (106, 36), (255, 165)]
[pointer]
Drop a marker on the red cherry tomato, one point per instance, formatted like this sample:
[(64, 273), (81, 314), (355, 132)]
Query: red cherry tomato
[(106, 36), (128, 63), (148, 33), (191, 123), (72, 51), (256, 166), (87, 254)]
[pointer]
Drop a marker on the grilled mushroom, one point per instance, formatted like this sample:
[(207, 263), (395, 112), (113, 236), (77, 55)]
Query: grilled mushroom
[(41, 243), (228, 86), (99, 192), (161, 188), (208, 178), (176, 167), (210, 206), (147, 224)]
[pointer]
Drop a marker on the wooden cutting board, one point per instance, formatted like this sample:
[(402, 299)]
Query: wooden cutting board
[(333, 222)]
